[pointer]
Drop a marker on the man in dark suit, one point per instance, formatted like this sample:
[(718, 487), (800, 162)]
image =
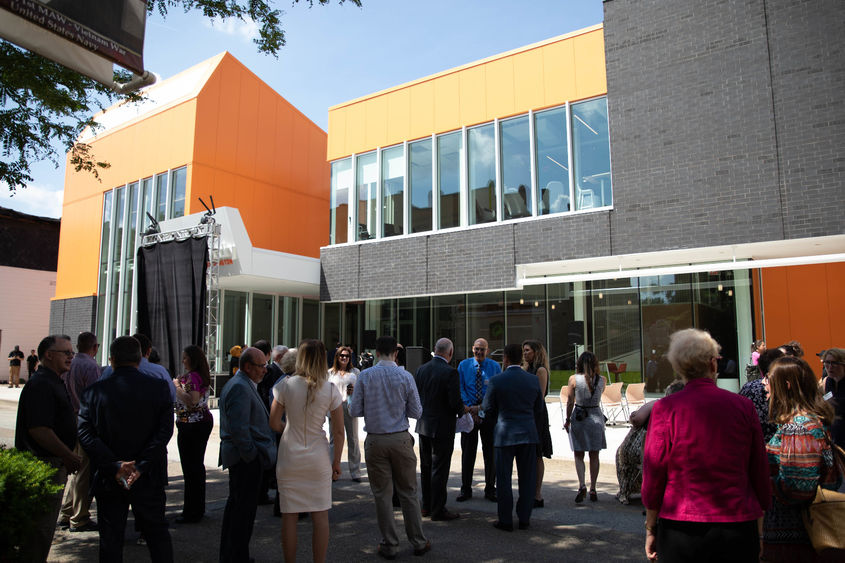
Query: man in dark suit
[(438, 384), (247, 449), (125, 422), (515, 399)]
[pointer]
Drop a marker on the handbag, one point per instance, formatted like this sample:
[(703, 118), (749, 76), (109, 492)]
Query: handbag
[(823, 518)]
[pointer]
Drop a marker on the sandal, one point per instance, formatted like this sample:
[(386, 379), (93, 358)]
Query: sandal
[(582, 492), (593, 496)]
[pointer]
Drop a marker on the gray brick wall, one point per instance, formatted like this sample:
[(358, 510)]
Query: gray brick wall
[(72, 316)]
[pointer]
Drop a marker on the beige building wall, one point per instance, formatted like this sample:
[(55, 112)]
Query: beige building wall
[(24, 312)]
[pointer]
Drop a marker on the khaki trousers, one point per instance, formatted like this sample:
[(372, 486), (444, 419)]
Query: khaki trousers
[(391, 462), (76, 508), (14, 375)]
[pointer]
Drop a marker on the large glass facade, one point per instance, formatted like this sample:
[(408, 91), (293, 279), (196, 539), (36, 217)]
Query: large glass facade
[(450, 156), (420, 187), (124, 221), (393, 191), (515, 141), (552, 161), (481, 166), (261, 318)]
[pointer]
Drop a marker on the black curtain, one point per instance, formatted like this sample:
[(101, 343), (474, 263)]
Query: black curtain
[(172, 297)]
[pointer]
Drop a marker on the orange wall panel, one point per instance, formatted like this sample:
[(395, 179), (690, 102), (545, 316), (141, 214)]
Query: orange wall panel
[(546, 74), (805, 303), (79, 244)]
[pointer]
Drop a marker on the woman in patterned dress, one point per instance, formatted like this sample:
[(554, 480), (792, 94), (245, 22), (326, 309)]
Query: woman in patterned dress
[(800, 458)]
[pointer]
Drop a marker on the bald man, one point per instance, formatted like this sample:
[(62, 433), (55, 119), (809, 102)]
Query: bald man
[(475, 373)]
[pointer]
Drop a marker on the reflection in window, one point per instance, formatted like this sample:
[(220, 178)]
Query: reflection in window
[(129, 262), (415, 322), (366, 176), (486, 319), (288, 321), (482, 174), (310, 318), (591, 152), (234, 320), (104, 261), (552, 161), (419, 185), (449, 321), (178, 179), (161, 197), (146, 203), (331, 325), (516, 167), (114, 297), (527, 314), (450, 153), (261, 324), (393, 190), (341, 183)]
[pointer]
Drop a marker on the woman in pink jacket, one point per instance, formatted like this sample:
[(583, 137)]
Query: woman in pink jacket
[(705, 473)]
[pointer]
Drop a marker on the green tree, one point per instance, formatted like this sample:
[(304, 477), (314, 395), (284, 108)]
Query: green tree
[(43, 103)]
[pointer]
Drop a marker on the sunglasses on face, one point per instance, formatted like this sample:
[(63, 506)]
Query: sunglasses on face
[(343, 355)]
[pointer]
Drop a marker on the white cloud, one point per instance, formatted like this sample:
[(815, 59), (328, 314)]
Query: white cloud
[(35, 200), (246, 29)]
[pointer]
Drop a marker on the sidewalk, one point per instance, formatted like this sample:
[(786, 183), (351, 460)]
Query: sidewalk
[(562, 531)]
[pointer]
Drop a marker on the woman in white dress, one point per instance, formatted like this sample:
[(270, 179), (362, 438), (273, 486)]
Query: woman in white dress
[(304, 470)]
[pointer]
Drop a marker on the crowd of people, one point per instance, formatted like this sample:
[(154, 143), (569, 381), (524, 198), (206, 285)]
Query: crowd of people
[(722, 476)]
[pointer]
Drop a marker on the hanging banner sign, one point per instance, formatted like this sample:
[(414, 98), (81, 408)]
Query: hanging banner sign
[(113, 29)]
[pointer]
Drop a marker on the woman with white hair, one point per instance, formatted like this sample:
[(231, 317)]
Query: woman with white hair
[(705, 473)]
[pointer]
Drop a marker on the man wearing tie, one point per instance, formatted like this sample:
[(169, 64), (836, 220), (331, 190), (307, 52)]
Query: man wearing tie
[(514, 401), (474, 374), (439, 388)]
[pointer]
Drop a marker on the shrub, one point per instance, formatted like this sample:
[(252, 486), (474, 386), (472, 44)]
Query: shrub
[(26, 490)]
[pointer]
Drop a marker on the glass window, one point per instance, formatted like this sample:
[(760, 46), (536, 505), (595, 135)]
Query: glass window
[(288, 322), (178, 179), (104, 265), (310, 319), (419, 185), (261, 324), (552, 161), (146, 203), (591, 154), (393, 191), (450, 154), (341, 187), (114, 293), (161, 197), (527, 314), (515, 139), (665, 307), (482, 174), (615, 313), (366, 178), (331, 325), (415, 323), (234, 320), (379, 320), (566, 332), (129, 269), (486, 319), (449, 318)]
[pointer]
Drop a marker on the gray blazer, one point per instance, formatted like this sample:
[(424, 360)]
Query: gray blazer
[(514, 397), (244, 425)]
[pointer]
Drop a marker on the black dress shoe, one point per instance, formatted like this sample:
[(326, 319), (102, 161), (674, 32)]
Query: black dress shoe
[(423, 550), (384, 554), (539, 503), (445, 516), (491, 497), (463, 497), (503, 527), (523, 525)]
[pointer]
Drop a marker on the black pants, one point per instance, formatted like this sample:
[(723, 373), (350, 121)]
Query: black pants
[(435, 460), (469, 448), (148, 502), (526, 470), (702, 542), (239, 514), (192, 440)]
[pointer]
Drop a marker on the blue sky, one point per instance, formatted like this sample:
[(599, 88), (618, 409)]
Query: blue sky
[(338, 52)]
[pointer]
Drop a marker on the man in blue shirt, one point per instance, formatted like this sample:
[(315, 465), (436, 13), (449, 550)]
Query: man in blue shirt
[(475, 373), (386, 396)]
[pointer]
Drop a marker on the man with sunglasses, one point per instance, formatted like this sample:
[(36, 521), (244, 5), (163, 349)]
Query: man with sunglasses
[(247, 449), (46, 426)]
